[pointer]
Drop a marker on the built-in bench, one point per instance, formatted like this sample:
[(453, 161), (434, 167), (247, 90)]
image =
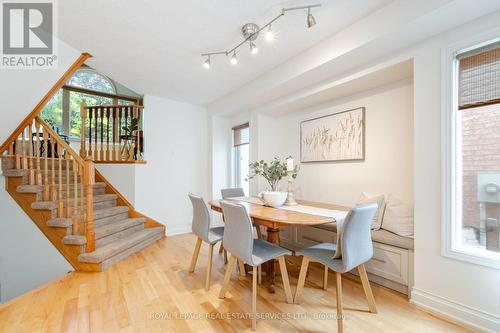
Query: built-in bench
[(392, 262)]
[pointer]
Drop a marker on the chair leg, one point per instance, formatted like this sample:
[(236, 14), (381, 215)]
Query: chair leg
[(259, 232), (195, 255), (241, 268), (286, 282), (367, 288), (209, 266), (227, 276), (325, 278), (340, 319), (221, 247), (259, 274), (254, 298), (225, 256), (302, 278)]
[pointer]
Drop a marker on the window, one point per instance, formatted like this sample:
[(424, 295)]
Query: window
[(474, 156), (62, 112), (91, 80), (241, 144)]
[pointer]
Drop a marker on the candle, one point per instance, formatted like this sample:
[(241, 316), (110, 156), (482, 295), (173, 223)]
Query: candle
[(289, 164)]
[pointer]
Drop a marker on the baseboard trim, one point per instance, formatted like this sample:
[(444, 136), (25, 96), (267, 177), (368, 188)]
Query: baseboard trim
[(178, 231), (456, 312)]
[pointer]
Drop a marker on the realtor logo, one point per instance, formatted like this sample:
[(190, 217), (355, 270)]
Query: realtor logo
[(28, 34)]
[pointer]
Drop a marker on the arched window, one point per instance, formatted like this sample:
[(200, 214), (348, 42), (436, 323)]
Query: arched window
[(90, 79), (62, 112)]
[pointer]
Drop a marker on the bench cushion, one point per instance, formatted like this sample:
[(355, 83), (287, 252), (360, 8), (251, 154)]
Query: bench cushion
[(379, 236), (389, 238)]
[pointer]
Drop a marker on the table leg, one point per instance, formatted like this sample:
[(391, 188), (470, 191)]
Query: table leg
[(272, 237)]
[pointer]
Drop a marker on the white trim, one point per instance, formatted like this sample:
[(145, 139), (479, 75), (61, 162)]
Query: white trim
[(450, 173), (457, 312)]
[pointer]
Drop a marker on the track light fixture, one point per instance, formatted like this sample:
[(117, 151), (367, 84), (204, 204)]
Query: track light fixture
[(253, 48), (234, 59), (251, 31), (311, 21), (206, 64), (269, 34)]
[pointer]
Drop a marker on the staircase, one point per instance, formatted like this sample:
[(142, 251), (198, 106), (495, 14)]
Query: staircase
[(78, 210)]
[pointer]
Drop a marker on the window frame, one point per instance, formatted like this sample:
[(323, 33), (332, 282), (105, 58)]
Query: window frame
[(236, 156), (451, 173)]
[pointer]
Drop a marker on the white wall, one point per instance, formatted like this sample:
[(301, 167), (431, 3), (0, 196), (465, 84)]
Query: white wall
[(22, 89), (122, 177), (176, 154), (464, 291), (27, 258), (388, 167)]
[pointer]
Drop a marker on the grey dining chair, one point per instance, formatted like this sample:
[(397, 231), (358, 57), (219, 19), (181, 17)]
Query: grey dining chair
[(201, 228), (233, 193), (353, 249), (240, 243)]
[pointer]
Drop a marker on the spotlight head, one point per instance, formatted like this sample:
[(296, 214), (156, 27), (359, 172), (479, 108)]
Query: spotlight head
[(269, 34), (253, 48), (206, 63), (234, 59), (311, 21)]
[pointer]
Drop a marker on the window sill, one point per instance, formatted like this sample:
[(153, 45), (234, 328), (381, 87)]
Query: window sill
[(474, 256)]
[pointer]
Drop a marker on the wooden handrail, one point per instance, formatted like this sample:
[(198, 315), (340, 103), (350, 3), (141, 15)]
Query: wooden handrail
[(59, 140), (29, 118)]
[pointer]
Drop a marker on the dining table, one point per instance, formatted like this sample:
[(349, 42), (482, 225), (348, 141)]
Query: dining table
[(304, 214)]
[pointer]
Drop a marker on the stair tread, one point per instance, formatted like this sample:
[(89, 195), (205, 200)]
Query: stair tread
[(40, 205), (74, 240), (15, 173), (29, 188), (105, 212), (122, 244), (59, 222), (114, 227)]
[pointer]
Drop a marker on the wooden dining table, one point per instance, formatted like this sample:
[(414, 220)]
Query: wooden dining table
[(275, 218)]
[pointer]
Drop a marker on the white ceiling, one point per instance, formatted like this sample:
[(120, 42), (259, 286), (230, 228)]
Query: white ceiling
[(153, 47)]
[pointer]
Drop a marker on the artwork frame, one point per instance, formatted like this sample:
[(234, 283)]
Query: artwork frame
[(317, 146)]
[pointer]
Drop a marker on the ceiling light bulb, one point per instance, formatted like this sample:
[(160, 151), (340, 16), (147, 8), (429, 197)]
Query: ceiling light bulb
[(206, 64), (253, 48), (311, 21), (269, 34), (234, 59)]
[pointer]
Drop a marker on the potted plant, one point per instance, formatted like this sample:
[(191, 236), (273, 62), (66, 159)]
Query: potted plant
[(273, 172)]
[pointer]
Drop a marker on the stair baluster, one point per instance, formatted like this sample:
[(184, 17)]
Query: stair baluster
[(23, 148), (108, 151), (30, 157), (89, 181), (52, 168), (119, 153), (96, 149), (68, 180), (60, 204), (46, 187), (101, 117), (38, 165), (83, 115), (76, 229)]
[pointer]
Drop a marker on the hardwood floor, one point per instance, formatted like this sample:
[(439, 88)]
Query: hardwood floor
[(145, 291)]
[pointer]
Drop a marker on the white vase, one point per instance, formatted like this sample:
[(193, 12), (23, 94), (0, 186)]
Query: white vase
[(273, 198)]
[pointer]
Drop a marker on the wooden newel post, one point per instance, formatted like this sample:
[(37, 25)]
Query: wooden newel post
[(83, 115), (89, 181)]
